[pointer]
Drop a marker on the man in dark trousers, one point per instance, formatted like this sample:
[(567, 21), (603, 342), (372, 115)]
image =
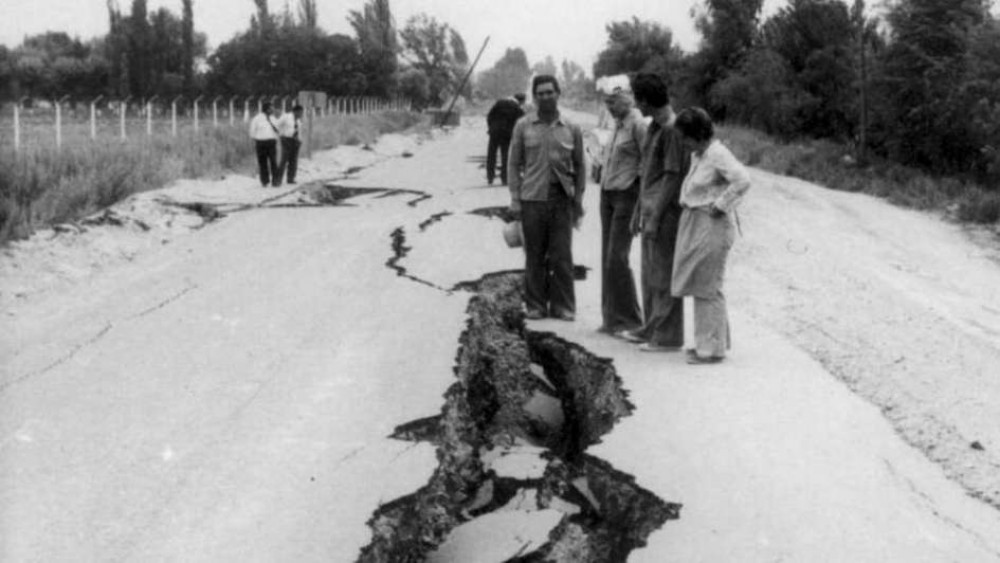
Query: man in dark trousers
[(289, 127), (265, 139), (665, 163), (547, 177), (500, 123)]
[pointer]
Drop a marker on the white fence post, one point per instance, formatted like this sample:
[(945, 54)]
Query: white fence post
[(149, 116), (123, 109), (58, 104), (93, 117), (17, 125), (195, 103), (232, 107), (246, 109), (173, 115), (215, 112)]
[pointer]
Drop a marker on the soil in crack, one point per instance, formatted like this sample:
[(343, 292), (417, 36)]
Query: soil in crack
[(511, 442)]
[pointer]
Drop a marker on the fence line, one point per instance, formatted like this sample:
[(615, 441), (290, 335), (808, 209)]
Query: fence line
[(335, 105)]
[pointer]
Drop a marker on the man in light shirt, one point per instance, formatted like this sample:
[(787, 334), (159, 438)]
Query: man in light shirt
[(265, 139), (547, 175), (619, 194), (289, 127)]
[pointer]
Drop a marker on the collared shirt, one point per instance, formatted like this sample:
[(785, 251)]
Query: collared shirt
[(622, 159), (665, 163), (262, 128), (288, 125), (717, 177), (545, 153)]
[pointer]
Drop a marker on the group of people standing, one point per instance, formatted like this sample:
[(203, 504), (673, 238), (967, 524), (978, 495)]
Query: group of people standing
[(266, 132), (672, 183)]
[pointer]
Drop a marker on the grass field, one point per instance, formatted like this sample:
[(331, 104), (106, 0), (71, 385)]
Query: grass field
[(824, 163), (40, 185)]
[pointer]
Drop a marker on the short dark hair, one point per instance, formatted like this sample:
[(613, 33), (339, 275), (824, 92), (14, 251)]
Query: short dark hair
[(544, 79), (651, 89), (695, 124), (520, 96), (266, 106), (297, 107)]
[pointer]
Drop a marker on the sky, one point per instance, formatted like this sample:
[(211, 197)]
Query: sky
[(564, 29)]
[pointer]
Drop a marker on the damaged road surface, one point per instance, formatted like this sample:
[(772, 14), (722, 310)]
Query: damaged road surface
[(514, 479), (343, 380)]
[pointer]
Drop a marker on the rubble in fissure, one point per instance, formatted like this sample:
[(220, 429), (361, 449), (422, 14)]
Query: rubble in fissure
[(514, 481)]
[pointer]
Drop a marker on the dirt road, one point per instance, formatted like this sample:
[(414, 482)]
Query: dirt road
[(226, 393)]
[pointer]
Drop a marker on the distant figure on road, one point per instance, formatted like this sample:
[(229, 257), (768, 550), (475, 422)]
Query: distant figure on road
[(665, 163), (619, 179), (500, 125), (710, 193), (265, 139), (288, 128), (547, 177)]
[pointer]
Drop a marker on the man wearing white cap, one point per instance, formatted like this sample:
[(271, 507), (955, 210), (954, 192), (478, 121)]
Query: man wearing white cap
[(619, 194)]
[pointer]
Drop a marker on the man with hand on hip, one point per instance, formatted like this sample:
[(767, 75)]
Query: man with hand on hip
[(265, 140), (547, 176)]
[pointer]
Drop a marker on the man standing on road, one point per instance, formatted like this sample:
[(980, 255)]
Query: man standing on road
[(500, 125), (265, 140), (619, 194), (665, 163), (288, 128), (547, 176)]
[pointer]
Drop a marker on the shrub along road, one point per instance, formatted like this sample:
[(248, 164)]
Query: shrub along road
[(226, 393)]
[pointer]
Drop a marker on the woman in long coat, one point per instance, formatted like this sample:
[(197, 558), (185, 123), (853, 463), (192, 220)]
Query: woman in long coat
[(711, 191)]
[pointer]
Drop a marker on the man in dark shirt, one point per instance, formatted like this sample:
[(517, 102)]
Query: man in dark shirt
[(665, 163), (500, 123), (547, 178)]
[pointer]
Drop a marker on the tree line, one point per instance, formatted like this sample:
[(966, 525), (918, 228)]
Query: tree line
[(916, 81), (159, 53)]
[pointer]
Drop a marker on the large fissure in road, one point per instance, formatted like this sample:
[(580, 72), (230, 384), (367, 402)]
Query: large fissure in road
[(514, 481)]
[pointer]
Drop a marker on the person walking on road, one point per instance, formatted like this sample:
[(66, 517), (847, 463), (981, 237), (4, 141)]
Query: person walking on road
[(288, 128), (665, 163), (619, 194), (500, 125), (710, 194), (547, 175), (265, 139)]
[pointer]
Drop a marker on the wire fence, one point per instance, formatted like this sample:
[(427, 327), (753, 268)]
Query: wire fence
[(55, 123)]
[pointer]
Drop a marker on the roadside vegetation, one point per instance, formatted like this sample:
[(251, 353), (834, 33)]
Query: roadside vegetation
[(45, 186), (832, 165)]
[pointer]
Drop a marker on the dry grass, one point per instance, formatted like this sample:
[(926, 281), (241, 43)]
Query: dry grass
[(42, 186), (830, 165)]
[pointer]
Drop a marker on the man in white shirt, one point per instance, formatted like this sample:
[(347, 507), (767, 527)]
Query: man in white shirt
[(289, 127), (265, 139)]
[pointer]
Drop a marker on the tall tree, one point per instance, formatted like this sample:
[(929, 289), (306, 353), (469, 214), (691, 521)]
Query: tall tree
[(924, 70), (508, 76), (728, 29), (187, 39), (308, 15), (428, 48), (262, 22), (375, 28), (637, 46), (139, 50)]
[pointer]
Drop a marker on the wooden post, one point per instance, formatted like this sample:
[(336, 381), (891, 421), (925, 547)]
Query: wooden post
[(195, 103), (93, 118), (149, 116), (123, 106)]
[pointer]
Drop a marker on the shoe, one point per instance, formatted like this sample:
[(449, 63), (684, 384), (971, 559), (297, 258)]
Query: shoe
[(650, 347), (533, 315), (605, 330), (564, 316), (630, 336), (489, 182), (290, 182), (695, 359)]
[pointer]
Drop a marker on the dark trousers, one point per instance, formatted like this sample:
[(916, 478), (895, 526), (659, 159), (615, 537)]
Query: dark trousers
[(501, 142), (548, 238), (619, 303), (289, 159), (267, 162), (664, 313)]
